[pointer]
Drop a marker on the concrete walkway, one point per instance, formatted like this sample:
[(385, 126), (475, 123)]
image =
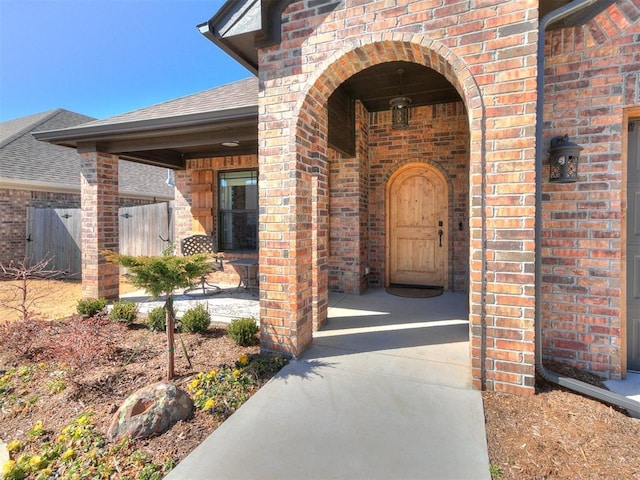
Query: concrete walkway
[(230, 303), (383, 393), (629, 387)]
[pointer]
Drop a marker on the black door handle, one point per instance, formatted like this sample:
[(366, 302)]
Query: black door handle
[(440, 233)]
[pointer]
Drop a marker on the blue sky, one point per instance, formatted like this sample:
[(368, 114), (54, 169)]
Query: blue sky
[(105, 57)]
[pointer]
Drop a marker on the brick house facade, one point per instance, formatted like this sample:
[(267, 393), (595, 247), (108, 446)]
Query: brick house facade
[(592, 90), (324, 213)]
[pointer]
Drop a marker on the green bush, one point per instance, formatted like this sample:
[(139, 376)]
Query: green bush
[(88, 307), (124, 311), (157, 319), (243, 331), (195, 320)]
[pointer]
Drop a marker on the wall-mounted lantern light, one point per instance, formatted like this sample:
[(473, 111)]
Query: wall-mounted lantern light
[(400, 107), (563, 160)]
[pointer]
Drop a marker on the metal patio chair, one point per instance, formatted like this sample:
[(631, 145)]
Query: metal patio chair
[(196, 244)]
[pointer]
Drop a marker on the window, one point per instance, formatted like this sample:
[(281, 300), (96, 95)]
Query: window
[(238, 209)]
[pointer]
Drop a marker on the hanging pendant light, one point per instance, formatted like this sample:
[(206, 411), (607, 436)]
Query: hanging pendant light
[(400, 107)]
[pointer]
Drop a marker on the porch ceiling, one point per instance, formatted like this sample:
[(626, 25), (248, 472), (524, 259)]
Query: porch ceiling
[(377, 85)]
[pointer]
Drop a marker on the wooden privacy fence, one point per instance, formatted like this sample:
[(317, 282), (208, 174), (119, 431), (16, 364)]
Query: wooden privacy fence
[(54, 233)]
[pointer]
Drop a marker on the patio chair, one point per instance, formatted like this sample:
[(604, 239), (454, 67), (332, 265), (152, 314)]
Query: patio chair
[(202, 244)]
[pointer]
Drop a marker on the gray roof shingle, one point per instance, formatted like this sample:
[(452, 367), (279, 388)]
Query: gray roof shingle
[(25, 159), (239, 94)]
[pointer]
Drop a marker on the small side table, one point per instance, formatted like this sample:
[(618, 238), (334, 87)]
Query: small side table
[(243, 267)]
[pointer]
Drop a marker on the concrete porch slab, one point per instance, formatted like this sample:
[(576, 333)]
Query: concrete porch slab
[(366, 401)]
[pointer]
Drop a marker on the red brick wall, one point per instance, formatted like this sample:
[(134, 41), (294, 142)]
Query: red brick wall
[(13, 224), (349, 212), (488, 52), (591, 75)]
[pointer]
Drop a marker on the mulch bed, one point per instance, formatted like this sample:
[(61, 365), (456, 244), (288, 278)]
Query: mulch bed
[(101, 387), (558, 434)]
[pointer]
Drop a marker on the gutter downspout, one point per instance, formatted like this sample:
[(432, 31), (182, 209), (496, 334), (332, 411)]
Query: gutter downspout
[(570, 383)]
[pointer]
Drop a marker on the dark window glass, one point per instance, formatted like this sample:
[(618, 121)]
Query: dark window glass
[(238, 210)]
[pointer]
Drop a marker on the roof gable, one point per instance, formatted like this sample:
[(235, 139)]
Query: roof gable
[(242, 26), (23, 158), (59, 118)]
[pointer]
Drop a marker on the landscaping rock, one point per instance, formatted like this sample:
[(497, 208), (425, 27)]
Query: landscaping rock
[(150, 411)]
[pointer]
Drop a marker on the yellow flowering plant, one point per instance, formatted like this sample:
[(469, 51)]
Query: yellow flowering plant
[(14, 446), (221, 390), (68, 454), (15, 383), (37, 430), (79, 451), (8, 469)]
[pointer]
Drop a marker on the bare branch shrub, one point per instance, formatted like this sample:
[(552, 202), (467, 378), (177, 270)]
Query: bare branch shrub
[(16, 293), (23, 338), (83, 343), (77, 343)]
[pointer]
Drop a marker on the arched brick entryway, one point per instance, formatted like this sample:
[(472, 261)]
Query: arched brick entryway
[(297, 257)]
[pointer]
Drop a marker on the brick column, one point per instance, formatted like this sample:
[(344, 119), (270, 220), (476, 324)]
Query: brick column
[(99, 189), (290, 150), (286, 272)]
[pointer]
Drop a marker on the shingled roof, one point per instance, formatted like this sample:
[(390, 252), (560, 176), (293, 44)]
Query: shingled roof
[(26, 163), (235, 95), (168, 133)]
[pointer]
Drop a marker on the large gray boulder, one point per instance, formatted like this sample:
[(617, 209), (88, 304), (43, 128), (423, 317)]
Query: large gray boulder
[(150, 411)]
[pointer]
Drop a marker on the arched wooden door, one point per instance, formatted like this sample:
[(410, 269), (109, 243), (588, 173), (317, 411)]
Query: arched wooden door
[(417, 219)]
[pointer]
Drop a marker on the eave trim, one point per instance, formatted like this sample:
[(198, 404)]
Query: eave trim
[(267, 35), (182, 123)]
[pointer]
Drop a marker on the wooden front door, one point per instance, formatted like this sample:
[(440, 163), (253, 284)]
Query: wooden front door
[(417, 218)]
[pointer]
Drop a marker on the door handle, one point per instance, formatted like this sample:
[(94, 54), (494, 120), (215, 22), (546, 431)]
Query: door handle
[(440, 233)]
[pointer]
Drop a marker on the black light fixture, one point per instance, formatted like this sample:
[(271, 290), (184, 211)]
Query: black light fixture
[(563, 160), (400, 107)]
